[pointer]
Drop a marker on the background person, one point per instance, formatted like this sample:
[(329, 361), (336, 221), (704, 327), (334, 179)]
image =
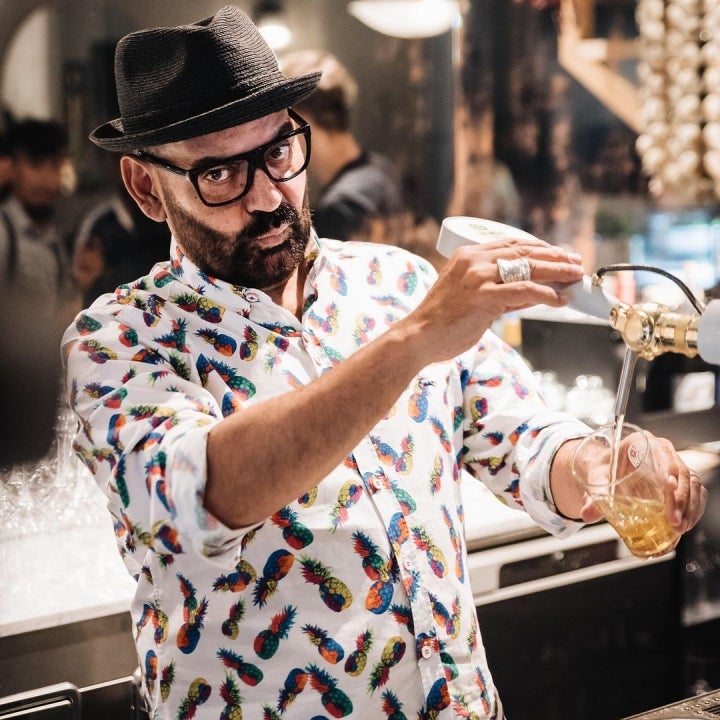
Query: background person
[(355, 193), (280, 419), (33, 256), (36, 292), (115, 243)]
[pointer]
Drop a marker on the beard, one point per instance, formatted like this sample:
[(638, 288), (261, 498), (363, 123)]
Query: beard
[(237, 258)]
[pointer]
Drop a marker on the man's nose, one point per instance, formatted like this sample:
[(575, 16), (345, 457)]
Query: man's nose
[(265, 194)]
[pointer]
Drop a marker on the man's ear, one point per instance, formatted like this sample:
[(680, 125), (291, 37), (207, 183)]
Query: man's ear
[(141, 185)]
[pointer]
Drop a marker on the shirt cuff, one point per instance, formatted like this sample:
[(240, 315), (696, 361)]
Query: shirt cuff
[(535, 489), (188, 472)]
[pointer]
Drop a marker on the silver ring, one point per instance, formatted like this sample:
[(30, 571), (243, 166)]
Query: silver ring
[(513, 270)]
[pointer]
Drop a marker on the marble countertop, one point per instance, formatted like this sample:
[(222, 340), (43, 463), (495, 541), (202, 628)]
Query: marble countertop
[(58, 577)]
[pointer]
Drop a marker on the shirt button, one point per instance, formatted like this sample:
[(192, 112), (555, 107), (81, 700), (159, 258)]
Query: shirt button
[(426, 651), (408, 564)]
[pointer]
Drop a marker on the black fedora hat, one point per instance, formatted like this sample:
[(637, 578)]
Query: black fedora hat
[(180, 82)]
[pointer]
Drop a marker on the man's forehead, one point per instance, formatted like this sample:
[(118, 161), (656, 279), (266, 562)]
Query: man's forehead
[(230, 141)]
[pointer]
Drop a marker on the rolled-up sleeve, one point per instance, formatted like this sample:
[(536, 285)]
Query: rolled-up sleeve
[(510, 437), (145, 418)]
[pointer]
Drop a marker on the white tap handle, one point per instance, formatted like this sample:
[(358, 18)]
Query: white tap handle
[(708, 342), (459, 230)]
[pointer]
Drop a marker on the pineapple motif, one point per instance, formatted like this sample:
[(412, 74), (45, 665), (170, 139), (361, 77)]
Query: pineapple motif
[(376, 568), (276, 568), (437, 699), (449, 621), (333, 591), (190, 631), (230, 627), (86, 325), (364, 325), (436, 475), (391, 655), (442, 433), (151, 667), (247, 672), (349, 495), (202, 306), (237, 580), (198, 693), (482, 685), (230, 693), (167, 678), (294, 684), (407, 282), (455, 541), (295, 534), (357, 659), (334, 700), (276, 345), (329, 649), (222, 343), (434, 555), (392, 707), (267, 641), (418, 402)]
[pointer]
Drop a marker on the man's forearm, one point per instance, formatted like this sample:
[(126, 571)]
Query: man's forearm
[(566, 491), (267, 455)]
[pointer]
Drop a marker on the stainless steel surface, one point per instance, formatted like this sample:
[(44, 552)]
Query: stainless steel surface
[(548, 562), (701, 707), (83, 653)]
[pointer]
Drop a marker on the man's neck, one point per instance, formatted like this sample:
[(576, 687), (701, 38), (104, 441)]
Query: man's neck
[(289, 294)]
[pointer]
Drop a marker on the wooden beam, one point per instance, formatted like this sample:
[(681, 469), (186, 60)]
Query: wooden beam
[(587, 60)]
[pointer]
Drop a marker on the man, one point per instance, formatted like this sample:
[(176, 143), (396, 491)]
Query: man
[(31, 248), (115, 243), (357, 196), (34, 283), (280, 420)]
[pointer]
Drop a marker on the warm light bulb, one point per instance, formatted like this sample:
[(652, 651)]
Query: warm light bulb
[(277, 35), (407, 18)]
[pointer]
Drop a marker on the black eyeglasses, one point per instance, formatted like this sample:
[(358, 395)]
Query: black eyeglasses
[(226, 180)]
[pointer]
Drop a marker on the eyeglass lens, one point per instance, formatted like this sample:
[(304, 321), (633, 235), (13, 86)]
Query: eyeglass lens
[(282, 161)]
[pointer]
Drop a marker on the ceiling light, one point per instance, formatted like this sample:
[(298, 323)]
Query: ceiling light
[(407, 18), (269, 17)]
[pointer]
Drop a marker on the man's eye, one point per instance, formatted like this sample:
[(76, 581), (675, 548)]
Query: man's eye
[(221, 173), (279, 152)]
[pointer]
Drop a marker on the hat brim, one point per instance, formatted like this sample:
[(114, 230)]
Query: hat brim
[(111, 135)]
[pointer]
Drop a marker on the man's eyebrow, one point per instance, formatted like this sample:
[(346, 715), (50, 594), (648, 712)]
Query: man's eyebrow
[(210, 160)]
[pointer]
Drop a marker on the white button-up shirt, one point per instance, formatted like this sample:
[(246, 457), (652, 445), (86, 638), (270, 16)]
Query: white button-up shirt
[(352, 601)]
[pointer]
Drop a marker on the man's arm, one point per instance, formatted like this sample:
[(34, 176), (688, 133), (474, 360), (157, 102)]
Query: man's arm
[(297, 439)]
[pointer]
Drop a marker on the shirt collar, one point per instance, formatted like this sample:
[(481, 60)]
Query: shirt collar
[(236, 298)]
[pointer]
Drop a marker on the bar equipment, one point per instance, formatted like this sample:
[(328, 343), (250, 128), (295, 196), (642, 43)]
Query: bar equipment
[(648, 329)]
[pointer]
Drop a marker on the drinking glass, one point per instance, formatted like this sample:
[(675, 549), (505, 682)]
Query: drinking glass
[(616, 468)]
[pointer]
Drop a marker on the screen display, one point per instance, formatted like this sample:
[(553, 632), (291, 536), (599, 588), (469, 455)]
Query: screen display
[(685, 243)]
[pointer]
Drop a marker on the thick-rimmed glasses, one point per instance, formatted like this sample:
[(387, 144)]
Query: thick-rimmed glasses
[(225, 180)]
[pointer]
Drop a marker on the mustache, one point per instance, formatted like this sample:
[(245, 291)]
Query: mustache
[(263, 222)]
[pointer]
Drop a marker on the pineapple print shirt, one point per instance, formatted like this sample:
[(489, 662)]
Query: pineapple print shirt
[(352, 601)]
